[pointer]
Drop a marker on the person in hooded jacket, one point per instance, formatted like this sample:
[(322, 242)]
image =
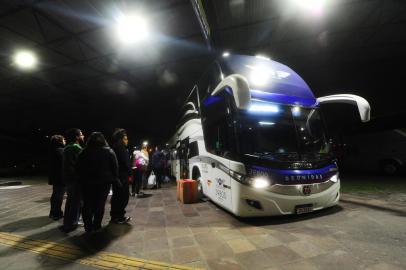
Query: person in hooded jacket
[(55, 176), (97, 169)]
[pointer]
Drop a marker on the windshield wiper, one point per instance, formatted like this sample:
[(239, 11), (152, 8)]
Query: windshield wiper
[(268, 155)]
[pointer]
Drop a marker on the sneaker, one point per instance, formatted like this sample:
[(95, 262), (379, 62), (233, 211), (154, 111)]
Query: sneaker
[(80, 223), (122, 220)]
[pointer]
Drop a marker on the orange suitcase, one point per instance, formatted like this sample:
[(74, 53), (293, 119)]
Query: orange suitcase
[(187, 191)]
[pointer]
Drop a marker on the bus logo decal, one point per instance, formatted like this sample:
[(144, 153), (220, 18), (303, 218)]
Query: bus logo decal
[(307, 190)]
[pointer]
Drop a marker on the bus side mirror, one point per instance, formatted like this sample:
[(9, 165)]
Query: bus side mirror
[(360, 103), (239, 87)]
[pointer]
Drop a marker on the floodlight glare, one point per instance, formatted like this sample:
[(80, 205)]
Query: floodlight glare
[(226, 54), (260, 76), (263, 57), (25, 59), (314, 7), (132, 29)]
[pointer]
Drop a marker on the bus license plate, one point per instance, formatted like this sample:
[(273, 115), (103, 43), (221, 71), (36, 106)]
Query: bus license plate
[(305, 208)]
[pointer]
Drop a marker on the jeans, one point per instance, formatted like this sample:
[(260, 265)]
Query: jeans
[(137, 181), (73, 205), (158, 174), (119, 199), (94, 200), (56, 200)]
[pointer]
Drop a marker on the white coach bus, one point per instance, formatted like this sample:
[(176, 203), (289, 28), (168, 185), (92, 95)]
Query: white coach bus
[(252, 134)]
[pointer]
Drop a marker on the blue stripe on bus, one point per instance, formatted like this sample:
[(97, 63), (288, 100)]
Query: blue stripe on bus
[(293, 172), (211, 100)]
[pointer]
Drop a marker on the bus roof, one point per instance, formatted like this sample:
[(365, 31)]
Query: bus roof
[(269, 80)]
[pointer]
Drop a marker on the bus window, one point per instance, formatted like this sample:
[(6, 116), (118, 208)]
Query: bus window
[(193, 149), (210, 79), (217, 133)]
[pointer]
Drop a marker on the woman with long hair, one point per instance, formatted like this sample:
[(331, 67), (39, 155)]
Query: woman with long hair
[(97, 169)]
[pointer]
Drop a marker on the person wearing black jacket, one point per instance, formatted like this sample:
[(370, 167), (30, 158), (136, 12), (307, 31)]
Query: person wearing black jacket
[(55, 176), (121, 193), (97, 169), (74, 138), (158, 162)]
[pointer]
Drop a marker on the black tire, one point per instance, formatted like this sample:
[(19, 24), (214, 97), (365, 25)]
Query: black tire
[(390, 167)]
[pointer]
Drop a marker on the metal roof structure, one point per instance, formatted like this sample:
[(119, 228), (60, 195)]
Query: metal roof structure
[(85, 77)]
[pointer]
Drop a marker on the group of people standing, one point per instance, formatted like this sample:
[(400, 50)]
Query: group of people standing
[(88, 174)]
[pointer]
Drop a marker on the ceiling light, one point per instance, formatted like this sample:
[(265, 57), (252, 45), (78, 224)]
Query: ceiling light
[(25, 60), (132, 29), (314, 7)]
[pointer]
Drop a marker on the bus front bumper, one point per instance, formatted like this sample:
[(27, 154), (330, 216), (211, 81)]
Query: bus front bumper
[(252, 202)]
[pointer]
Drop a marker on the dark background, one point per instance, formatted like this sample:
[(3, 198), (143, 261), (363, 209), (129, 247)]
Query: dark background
[(86, 79)]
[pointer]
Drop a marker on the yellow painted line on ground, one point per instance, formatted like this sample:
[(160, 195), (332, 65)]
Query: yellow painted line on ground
[(104, 260)]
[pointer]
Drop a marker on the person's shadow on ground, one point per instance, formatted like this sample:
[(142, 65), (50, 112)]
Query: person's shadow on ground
[(81, 245)]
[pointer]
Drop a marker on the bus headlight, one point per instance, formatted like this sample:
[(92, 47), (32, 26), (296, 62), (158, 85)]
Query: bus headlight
[(260, 183), (334, 178)]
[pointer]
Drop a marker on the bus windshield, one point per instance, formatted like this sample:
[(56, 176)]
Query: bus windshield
[(283, 132)]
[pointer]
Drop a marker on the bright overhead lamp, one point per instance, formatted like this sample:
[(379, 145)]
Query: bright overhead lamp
[(132, 29), (314, 7), (25, 60), (226, 54)]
